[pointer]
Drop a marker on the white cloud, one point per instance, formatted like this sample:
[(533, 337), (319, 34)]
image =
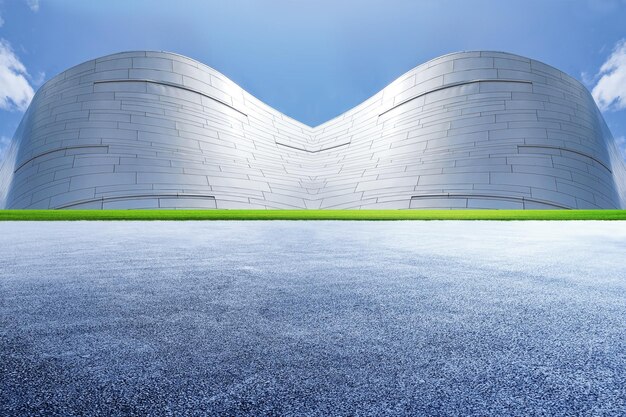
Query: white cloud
[(587, 79), (39, 79), (33, 5), (610, 91), (15, 89)]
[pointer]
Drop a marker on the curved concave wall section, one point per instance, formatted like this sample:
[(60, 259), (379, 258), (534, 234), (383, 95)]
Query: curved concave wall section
[(466, 130)]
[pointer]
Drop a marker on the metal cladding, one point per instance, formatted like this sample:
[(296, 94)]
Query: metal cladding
[(466, 130)]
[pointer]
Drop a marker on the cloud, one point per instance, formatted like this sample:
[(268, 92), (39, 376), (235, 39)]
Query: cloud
[(610, 91), (33, 5), (587, 79), (15, 89), (39, 79)]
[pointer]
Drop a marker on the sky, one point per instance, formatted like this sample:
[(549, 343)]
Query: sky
[(312, 60)]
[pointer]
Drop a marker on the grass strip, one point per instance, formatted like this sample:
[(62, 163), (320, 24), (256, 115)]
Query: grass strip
[(71, 215)]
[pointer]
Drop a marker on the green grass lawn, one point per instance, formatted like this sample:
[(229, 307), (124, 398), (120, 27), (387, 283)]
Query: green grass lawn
[(312, 215)]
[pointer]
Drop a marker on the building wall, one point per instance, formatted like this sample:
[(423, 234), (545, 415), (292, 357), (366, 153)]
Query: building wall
[(465, 130)]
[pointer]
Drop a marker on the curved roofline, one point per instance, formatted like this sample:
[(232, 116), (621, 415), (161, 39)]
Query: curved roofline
[(334, 117)]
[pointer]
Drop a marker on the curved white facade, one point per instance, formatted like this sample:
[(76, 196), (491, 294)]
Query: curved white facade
[(466, 130)]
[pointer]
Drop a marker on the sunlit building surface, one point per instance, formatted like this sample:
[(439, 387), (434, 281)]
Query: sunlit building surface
[(465, 130)]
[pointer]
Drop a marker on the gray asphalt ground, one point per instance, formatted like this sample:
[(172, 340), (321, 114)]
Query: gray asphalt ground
[(313, 318)]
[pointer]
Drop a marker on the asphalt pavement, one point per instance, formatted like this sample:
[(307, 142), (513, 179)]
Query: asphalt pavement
[(313, 318)]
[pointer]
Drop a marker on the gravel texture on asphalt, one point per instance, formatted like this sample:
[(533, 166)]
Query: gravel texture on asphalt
[(313, 318)]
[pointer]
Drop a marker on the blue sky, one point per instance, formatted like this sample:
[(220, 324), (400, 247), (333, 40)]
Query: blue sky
[(312, 59)]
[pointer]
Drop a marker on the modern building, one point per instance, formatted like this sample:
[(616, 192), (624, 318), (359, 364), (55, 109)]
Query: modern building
[(465, 130)]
